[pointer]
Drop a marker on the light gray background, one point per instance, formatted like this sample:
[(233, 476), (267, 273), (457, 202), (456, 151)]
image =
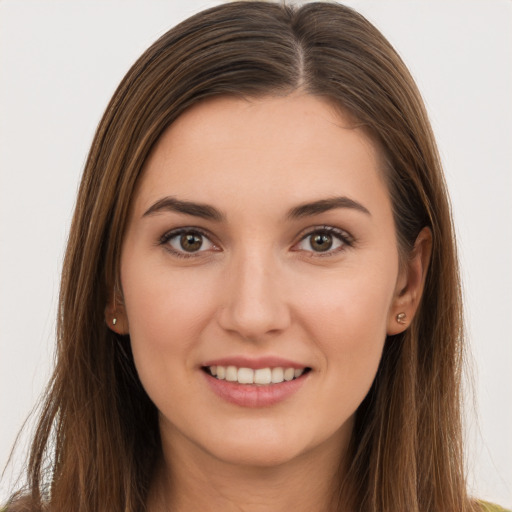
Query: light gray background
[(60, 63)]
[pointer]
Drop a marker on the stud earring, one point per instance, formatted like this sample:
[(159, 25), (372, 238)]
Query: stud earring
[(400, 318), (114, 321)]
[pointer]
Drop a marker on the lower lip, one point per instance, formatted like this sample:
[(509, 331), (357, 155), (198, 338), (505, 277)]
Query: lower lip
[(252, 395)]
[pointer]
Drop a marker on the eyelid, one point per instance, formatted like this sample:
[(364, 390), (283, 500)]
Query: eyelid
[(342, 235), (172, 233)]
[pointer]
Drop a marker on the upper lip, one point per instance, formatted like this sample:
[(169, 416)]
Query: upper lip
[(255, 363)]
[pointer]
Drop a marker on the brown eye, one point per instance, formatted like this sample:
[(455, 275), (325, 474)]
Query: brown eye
[(191, 242), (327, 240), (185, 242), (321, 242)]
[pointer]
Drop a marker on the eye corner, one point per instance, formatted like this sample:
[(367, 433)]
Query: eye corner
[(336, 240), (173, 242)]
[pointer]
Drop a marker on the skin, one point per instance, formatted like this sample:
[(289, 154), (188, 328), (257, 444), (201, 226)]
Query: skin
[(258, 287)]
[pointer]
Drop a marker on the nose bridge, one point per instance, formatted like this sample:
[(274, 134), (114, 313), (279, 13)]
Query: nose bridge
[(254, 303)]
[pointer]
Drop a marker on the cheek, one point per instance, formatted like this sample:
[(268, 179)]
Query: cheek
[(350, 305), (160, 300), (347, 319), (166, 313)]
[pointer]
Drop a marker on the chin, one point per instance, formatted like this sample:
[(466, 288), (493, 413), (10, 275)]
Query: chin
[(270, 447), (261, 455)]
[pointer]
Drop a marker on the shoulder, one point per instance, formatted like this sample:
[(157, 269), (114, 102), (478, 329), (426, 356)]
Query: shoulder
[(490, 507)]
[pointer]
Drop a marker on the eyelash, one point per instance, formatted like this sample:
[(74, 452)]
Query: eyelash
[(167, 237), (342, 236)]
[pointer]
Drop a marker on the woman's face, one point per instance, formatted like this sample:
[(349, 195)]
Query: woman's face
[(260, 247)]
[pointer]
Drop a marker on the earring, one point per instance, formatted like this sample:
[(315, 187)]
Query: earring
[(114, 321), (400, 318)]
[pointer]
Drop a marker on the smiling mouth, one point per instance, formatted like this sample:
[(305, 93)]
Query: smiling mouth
[(261, 376)]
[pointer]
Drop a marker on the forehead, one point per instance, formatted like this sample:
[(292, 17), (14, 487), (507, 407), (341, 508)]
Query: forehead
[(277, 149)]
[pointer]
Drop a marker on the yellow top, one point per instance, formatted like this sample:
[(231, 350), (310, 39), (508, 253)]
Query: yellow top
[(490, 507)]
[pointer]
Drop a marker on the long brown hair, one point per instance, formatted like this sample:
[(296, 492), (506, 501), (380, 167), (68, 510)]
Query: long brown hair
[(98, 439)]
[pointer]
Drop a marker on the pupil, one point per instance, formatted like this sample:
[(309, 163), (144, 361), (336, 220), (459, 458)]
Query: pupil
[(190, 242), (321, 242)]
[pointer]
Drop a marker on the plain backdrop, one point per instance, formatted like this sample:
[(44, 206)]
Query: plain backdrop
[(60, 62)]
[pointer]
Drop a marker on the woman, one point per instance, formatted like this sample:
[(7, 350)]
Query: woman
[(260, 304)]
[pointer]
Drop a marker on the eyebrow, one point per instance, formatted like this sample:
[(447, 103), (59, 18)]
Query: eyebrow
[(205, 211), (171, 204), (324, 205)]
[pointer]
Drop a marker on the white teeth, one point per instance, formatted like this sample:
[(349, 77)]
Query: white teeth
[(277, 375), (231, 374), (261, 376), (245, 375), (289, 373)]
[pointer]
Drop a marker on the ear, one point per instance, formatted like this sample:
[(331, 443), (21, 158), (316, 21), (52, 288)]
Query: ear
[(115, 314), (410, 284)]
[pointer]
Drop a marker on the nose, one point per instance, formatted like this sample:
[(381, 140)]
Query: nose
[(254, 305)]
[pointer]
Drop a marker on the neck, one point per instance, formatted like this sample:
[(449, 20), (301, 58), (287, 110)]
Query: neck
[(190, 480)]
